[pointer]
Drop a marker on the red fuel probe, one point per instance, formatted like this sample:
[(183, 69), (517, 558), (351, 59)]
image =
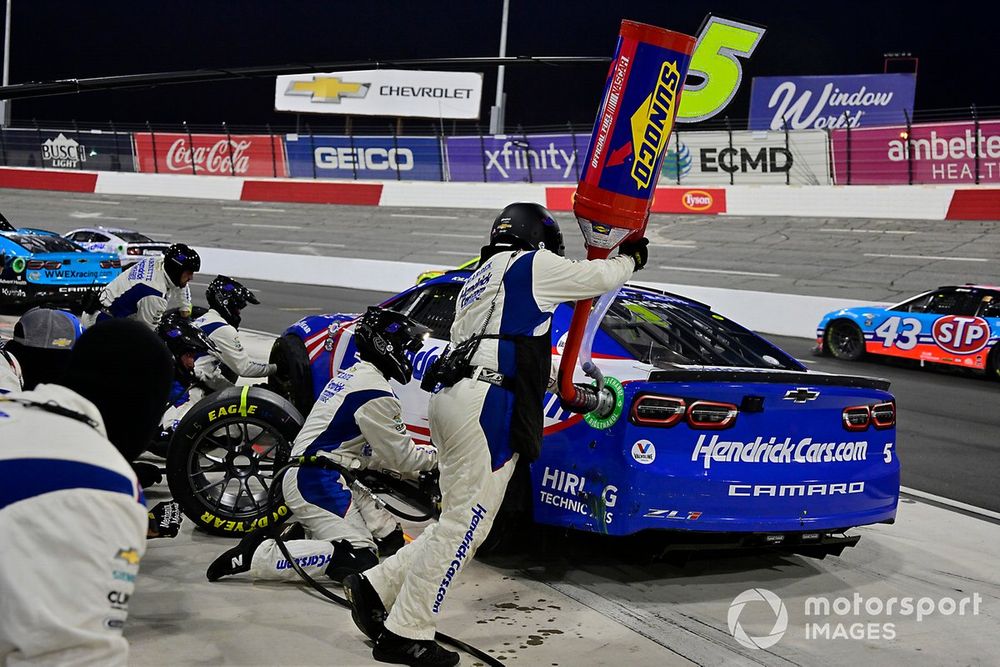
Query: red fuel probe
[(616, 188)]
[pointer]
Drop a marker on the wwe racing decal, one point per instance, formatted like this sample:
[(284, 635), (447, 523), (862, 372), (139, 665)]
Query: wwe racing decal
[(478, 514)]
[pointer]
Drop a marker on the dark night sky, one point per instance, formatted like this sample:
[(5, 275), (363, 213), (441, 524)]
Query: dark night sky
[(63, 39)]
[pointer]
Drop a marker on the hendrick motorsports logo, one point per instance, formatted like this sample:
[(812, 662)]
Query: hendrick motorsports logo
[(777, 607), (327, 89)]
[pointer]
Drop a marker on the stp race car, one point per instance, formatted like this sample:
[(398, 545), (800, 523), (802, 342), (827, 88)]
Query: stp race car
[(716, 435), (957, 325)]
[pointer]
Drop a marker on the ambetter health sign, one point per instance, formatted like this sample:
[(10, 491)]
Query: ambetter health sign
[(382, 92), (939, 153)]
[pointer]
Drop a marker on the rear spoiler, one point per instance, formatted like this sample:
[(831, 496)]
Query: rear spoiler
[(768, 377)]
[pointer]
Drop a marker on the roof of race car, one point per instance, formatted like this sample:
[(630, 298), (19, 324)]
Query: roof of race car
[(106, 230), (629, 290)]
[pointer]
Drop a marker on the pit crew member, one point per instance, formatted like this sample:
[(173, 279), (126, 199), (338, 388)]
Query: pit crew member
[(71, 512), (489, 409), (41, 347), (357, 420), (150, 287)]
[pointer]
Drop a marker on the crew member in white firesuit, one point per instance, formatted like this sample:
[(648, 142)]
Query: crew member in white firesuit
[(150, 287), (229, 360), (72, 517), (11, 378), (357, 420), (481, 419)]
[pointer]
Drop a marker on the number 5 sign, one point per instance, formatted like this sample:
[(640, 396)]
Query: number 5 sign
[(716, 60)]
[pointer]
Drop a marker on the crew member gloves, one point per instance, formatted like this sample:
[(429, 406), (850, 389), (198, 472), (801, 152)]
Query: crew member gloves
[(164, 520), (637, 251)]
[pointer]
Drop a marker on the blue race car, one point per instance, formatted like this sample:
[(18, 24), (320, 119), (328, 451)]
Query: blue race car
[(955, 325), (719, 435), (42, 269)]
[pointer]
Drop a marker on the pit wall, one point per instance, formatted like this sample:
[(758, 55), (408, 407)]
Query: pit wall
[(909, 202)]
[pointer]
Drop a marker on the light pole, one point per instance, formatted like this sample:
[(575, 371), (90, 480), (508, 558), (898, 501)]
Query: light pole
[(5, 104), (496, 111)]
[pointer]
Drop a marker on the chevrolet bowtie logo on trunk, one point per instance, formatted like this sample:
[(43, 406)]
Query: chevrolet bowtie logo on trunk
[(801, 395)]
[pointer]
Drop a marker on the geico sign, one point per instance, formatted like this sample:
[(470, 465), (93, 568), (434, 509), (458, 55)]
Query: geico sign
[(731, 160), (373, 159)]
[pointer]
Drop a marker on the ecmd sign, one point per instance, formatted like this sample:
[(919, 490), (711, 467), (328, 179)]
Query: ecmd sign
[(808, 102)]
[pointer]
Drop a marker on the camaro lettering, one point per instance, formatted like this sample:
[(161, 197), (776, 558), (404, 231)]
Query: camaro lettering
[(793, 490), (773, 450), (229, 410), (478, 514)]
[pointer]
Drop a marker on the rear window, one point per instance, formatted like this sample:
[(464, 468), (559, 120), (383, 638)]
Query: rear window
[(667, 333), (36, 244), (134, 237)]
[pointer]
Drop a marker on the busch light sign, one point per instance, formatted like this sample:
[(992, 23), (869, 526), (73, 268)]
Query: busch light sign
[(364, 158), (67, 149), (808, 102)]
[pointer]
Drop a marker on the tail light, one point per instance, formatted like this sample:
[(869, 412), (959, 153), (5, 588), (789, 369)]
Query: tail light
[(133, 251), (652, 410), (111, 264), (35, 264), (105, 263), (53, 265), (884, 415), (711, 415), (857, 418)]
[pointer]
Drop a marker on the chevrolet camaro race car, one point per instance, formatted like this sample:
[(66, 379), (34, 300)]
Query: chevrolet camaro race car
[(130, 246), (38, 269), (717, 435), (957, 325)]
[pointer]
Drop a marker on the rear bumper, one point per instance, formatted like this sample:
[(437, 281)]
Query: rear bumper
[(32, 294)]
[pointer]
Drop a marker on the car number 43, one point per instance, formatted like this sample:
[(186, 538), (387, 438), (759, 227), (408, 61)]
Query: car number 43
[(899, 331)]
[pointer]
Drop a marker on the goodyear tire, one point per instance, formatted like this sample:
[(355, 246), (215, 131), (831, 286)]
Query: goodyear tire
[(224, 455), (993, 363), (293, 380), (844, 340)]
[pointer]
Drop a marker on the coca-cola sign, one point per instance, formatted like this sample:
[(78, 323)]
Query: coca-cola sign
[(211, 154)]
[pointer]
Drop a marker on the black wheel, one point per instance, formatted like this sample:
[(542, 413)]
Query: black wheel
[(224, 455), (294, 377), (844, 340), (993, 363)]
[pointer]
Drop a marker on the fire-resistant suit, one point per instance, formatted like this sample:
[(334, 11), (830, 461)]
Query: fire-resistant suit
[(74, 529), (358, 418), (10, 372), (142, 293), (208, 369), (475, 422)]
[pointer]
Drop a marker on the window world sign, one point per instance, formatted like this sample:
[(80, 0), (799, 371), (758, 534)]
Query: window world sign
[(807, 102), (383, 92)]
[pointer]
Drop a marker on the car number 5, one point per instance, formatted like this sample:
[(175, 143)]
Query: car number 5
[(887, 452)]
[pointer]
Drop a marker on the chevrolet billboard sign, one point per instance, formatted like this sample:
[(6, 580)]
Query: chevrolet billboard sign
[(383, 92)]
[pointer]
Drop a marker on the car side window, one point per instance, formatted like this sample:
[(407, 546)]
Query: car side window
[(953, 302), (81, 237), (990, 306), (99, 238), (434, 307), (918, 305)]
